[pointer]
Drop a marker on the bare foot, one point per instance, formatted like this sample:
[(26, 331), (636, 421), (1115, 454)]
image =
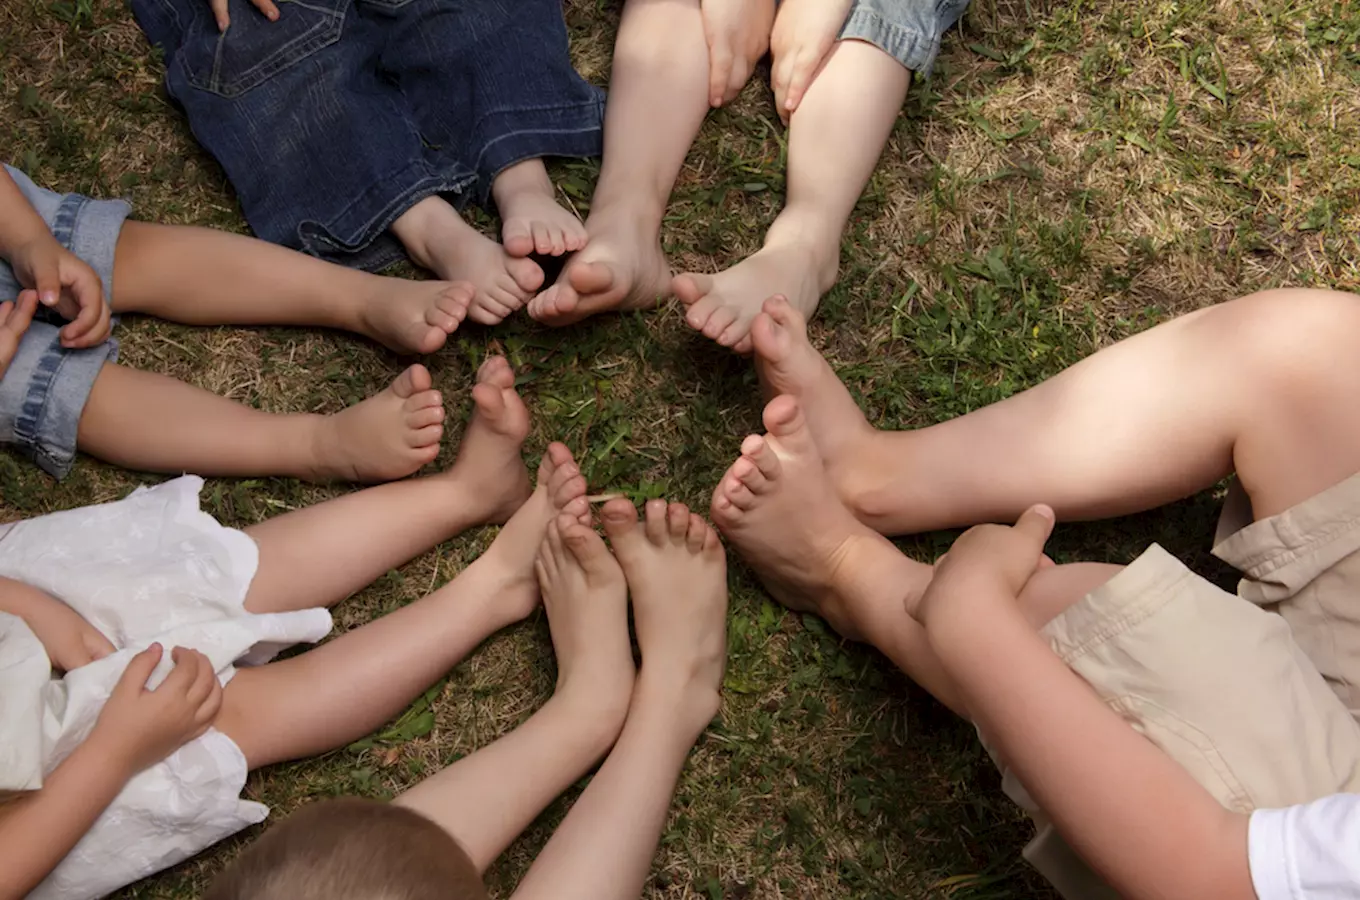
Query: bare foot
[(408, 316), (532, 221), (388, 436), (723, 306), (587, 602), (622, 267), (778, 507), (438, 239), (788, 364), (489, 462), (509, 561), (677, 574)]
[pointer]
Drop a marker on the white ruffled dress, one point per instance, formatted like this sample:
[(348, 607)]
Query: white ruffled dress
[(149, 568)]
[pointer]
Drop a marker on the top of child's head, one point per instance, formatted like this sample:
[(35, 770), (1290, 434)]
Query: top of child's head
[(351, 849)]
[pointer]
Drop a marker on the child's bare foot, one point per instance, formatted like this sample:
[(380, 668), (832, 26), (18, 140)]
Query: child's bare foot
[(587, 602), (677, 574), (778, 507), (723, 306), (388, 436), (788, 364), (408, 316), (509, 561), (438, 239), (532, 221), (489, 462), (622, 267)]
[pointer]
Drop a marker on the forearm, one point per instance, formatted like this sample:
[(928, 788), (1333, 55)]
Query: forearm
[(38, 830), (1129, 809), (487, 799), (604, 848), (22, 600), (20, 223)]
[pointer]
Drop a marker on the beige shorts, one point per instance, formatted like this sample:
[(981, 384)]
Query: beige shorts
[(1256, 694)]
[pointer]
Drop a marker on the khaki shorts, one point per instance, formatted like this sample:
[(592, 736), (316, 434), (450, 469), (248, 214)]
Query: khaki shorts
[(1256, 694)]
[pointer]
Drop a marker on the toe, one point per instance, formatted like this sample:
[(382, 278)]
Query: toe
[(495, 371), (570, 488), (784, 419), (697, 531), (414, 380), (517, 238), (654, 521), (424, 400), (738, 331), (717, 323), (758, 451), (488, 401), (574, 237), (426, 438), (526, 274), (744, 346), (591, 278), (542, 238), (443, 321), (557, 241), (783, 313), (738, 494), (697, 316), (620, 520), (691, 287), (552, 540), (585, 545), (426, 416), (578, 509), (746, 471), (677, 522)]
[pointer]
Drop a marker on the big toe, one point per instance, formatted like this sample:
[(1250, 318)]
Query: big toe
[(496, 371), (770, 339), (585, 546), (526, 273), (620, 520), (411, 382), (784, 420), (691, 287), (592, 278), (517, 238)]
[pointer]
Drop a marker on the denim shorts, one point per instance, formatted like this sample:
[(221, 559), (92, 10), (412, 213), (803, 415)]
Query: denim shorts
[(907, 30), (342, 115), (44, 390)]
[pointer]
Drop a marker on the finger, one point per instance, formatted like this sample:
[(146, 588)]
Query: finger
[(47, 282), (271, 12), (202, 687), (719, 73), (1036, 524), (138, 670), (19, 315), (780, 77), (89, 294), (800, 76), (212, 704), (183, 675), (219, 8)]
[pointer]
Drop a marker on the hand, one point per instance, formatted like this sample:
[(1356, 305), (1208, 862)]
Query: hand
[(65, 283), (140, 727), (738, 34), (69, 640), (988, 561), (15, 317), (803, 34), (223, 17)]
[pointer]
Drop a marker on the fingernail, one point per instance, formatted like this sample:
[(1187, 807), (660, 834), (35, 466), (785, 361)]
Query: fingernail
[(49, 298)]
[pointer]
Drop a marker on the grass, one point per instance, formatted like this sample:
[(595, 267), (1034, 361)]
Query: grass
[(1073, 173)]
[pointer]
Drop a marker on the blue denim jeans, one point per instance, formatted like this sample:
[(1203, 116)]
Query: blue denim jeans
[(907, 30), (43, 392), (342, 115)]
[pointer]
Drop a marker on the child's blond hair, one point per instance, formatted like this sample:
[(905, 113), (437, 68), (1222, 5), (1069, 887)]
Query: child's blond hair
[(351, 849)]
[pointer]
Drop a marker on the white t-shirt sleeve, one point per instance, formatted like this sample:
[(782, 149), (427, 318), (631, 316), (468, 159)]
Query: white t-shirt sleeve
[(1307, 852)]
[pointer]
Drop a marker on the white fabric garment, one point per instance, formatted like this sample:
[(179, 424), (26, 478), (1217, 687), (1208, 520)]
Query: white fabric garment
[(149, 568), (1307, 852)]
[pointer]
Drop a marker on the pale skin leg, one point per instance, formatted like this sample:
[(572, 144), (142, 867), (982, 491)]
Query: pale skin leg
[(1144, 422), (834, 145), (1288, 437), (200, 276), (329, 696), (658, 96), (532, 221), (436, 237), (153, 423)]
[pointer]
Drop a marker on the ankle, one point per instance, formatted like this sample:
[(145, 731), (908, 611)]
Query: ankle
[(529, 176), (810, 234), (630, 209)]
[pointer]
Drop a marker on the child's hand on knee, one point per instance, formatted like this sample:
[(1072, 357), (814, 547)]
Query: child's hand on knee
[(987, 564), (223, 17), (65, 283), (804, 32), (738, 34), (139, 727), (15, 317)]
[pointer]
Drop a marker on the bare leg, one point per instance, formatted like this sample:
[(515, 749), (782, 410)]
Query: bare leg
[(658, 95), (532, 221), (344, 689), (438, 239), (1261, 386), (199, 276), (835, 138), (140, 420), (779, 509), (319, 555)]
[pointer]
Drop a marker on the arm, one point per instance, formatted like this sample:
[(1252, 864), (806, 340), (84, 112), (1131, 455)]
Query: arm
[(1126, 807), (603, 850), (40, 828), (487, 799), (70, 641), (20, 224)]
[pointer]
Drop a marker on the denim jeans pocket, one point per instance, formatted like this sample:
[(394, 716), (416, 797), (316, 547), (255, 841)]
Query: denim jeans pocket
[(385, 5), (253, 49)]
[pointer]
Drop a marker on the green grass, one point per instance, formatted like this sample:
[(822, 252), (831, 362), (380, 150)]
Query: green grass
[(1074, 172)]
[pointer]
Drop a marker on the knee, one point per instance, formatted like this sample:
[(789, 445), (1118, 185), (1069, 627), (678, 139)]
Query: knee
[(1291, 337)]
